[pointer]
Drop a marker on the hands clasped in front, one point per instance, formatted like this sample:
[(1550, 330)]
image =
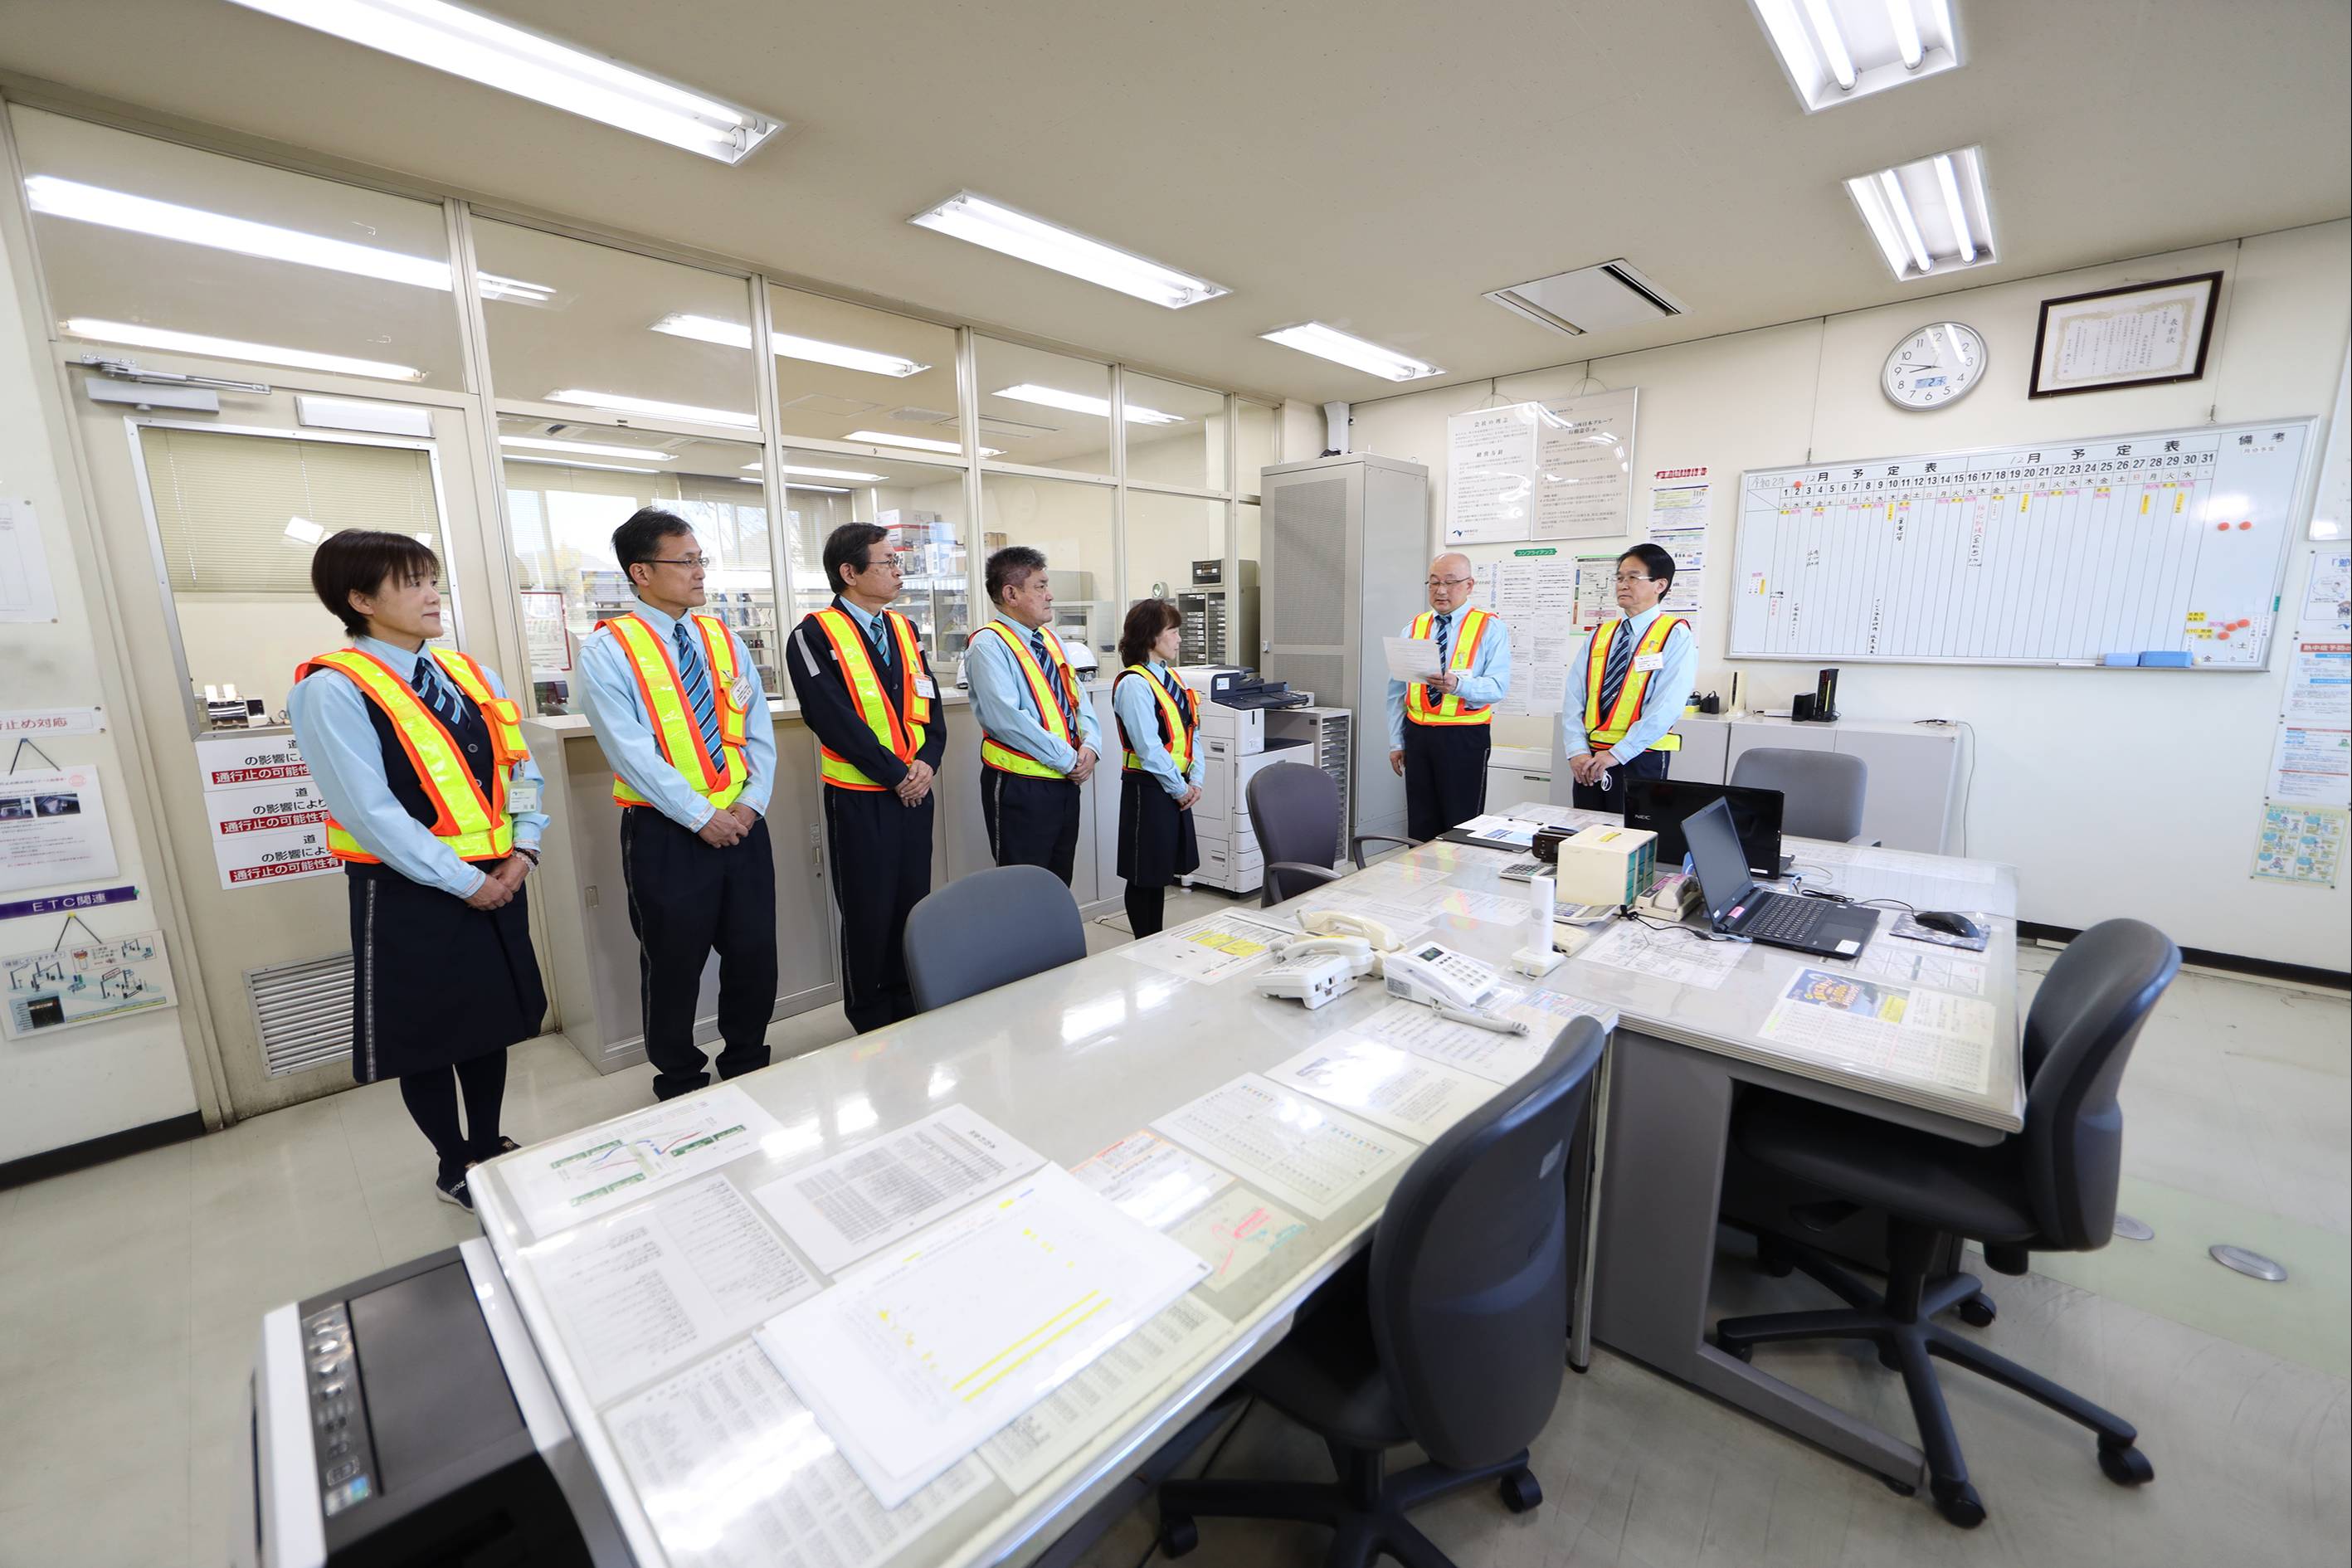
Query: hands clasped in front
[(728, 827), (501, 884)]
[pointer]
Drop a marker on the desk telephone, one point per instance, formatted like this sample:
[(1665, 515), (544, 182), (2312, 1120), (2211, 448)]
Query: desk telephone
[(1343, 948)]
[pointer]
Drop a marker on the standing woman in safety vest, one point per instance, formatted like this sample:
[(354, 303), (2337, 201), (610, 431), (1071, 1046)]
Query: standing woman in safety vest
[(1629, 684), (866, 690), (1039, 737), (676, 702), (1159, 721), (1441, 730), (434, 807)]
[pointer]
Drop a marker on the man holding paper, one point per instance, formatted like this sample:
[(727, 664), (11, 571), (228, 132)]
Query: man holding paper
[(1633, 678), (1442, 727)]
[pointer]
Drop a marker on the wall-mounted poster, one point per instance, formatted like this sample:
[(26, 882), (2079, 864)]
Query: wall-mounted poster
[(53, 828), (2142, 334), (83, 982)]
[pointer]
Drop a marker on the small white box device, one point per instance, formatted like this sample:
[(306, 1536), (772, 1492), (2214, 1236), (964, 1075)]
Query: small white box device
[(1607, 866), (1314, 980)]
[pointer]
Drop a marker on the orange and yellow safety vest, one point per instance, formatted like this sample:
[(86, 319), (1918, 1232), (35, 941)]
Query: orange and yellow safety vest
[(717, 780), (994, 753), (1449, 709), (900, 729), (1600, 732), (1176, 723), (476, 826)]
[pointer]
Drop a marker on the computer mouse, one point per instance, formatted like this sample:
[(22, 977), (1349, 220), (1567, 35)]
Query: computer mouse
[(1951, 925)]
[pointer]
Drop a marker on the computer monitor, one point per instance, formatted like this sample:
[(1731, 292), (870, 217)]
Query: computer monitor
[(1723, 879), (1662, 805)]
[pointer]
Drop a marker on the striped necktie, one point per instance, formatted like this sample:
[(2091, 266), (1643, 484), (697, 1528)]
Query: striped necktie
[(881, 636), (436, 691), (696, 676), (1054, 678), (1621, 659), (1444, 639)]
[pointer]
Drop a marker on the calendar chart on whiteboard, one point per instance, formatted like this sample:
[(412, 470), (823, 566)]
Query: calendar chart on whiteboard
[(2071, 552)]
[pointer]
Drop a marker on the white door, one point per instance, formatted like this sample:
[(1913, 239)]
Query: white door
[(208, 522)]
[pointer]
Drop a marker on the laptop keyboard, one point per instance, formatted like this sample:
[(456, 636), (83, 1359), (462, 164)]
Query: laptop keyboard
[(1791, 920)]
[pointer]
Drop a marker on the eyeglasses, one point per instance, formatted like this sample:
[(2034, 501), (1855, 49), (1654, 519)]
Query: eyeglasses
[(875, 563), (1622, 577), (1447, 581), (680, 561)]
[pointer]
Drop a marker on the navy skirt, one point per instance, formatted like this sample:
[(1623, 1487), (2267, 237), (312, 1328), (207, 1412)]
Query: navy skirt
[(1156, 841), (435, 982)]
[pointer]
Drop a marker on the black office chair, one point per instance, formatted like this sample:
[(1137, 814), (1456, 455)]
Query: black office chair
[(1295, 810), (1446, 1334), (1822, 791), (2051, 1189), (988, 930)]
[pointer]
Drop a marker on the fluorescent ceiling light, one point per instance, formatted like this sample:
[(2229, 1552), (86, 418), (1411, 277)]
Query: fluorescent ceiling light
[(588, 448), (301, 532), (919, 443), (1929, 216), (511, 291), (468, 44), (970, 216), (569, 463), (1345, 348), (232, 348), (219, 231), (821, 489), (1079, 403), (735, 334), (1835, 51), (850, 474), (655, 408)]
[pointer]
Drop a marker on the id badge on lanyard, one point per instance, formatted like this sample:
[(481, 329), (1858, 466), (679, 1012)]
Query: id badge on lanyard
[(522, 793)]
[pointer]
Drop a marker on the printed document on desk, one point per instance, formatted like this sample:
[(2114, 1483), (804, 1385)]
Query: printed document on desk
[(915, 1359), (1905, 1033), (1148, 1178), (1041, 1438), (1238, 1231), (734, 1472), (1211, 950), (567, 1180), (863, 1199), (1674, 954), (1386, 1085), (1498, 1058), (638, 1294), (1305, 1153)]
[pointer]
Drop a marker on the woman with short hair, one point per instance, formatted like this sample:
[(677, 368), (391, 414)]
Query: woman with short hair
[(1158, 724)]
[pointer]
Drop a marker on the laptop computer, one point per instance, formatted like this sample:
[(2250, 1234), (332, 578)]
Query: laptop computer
[(1736, 906), (1661, 804)]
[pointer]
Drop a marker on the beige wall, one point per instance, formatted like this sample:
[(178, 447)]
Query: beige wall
[(2112, 793)]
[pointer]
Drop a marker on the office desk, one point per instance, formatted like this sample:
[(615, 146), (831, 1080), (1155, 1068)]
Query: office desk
[(1072, 1060)]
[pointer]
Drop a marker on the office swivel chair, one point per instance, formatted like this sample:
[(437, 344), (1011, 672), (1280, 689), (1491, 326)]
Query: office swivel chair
[(1823, 790), (2051, 1189), (1295, 810), (988, 930), (1446, 1334)]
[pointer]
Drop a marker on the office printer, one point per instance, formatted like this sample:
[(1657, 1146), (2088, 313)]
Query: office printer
[(405, 1418), (1238, 687)]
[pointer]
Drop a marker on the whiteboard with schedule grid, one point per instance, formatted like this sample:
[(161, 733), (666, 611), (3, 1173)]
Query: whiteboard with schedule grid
[(2082, 551)]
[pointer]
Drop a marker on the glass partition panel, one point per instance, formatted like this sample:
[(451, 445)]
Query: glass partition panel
[(842, 371), (1175, 434), (1044, 410), (1254, 429), (569, 486), (922, 506), (611, 330), (1071, 523), (237, 518), (147, 244), (1176, 549)]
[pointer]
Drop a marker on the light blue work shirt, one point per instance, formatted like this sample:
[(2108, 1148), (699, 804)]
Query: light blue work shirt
[(329, 714), (616, 712), (1662, 703), (1482, 686), (1007, 708), (1139, 716)]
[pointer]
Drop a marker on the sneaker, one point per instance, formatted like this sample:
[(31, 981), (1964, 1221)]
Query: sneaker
[(452, 1190)]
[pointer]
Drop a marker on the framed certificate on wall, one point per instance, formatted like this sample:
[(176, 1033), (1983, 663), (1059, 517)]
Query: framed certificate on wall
[(2142, 334)]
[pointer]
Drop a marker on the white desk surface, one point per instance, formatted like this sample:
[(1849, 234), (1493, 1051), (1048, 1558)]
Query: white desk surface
[(1074, 1059)]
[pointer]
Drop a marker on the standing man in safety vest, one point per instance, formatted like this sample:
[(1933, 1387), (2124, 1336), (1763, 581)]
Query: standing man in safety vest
[(866, 690), (1440, 729), (676, 702), (1039, 735), (1629, 686)]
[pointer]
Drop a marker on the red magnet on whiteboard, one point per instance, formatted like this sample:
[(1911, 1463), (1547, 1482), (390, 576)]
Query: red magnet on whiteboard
[(2222, 636), (2220, 528), (2245, 622), (2244, 526)]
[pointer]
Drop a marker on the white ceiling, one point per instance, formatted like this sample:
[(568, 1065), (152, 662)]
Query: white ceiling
[(1374, 164)]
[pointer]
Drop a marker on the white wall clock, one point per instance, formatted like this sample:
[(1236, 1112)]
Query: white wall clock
[(1939, 364)]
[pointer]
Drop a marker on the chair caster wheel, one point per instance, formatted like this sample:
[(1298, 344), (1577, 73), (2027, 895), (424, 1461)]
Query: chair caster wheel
[(1737, 1349), (1775, 1265), (2125, 1465), (1958, 1501), (1178, 1536), (1978, 1312), (1521, 1492)]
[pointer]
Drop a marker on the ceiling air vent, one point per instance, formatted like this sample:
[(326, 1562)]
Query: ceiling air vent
[(1589, 299)]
